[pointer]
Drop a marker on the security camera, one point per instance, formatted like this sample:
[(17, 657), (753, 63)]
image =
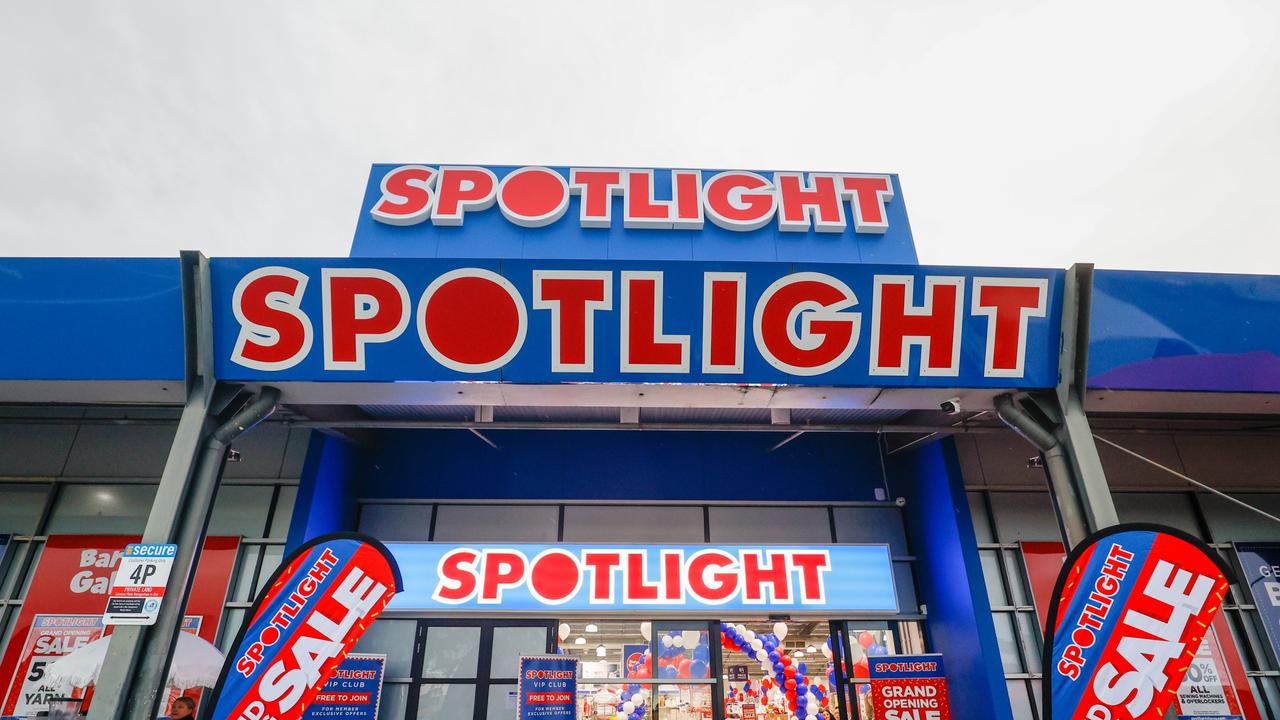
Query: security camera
[(950, 406)]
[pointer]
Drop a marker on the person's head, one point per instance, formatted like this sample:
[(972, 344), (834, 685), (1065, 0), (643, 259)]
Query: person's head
[(183, 707)]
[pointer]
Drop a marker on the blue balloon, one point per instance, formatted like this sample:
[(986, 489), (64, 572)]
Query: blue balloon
[(701, 653), (801, 698), (877, 650), (831, 678), (774, 656), (697, 668), (801, 668), (778, 667), (669, 672)]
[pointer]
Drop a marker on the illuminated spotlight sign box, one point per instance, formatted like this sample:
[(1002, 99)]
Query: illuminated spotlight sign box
[(558, 321), (677, 578), (432, 210)]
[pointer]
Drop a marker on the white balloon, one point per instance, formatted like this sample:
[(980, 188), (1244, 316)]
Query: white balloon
[(758, 646), (666, 641), (812, 716), (628, 707), (691, 638), (780, 629), (678, 641), (762, 654), (742, 629), (826, 651), (638, 698), (564, 631), (748, 636), (813, 699), (646, 630)]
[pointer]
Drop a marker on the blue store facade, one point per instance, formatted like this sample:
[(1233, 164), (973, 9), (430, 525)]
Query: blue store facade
[(659, 364)]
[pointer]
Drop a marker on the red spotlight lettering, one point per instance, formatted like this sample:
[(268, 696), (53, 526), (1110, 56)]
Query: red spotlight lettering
[(462, 189), (897, 323), (756, 575), (501, 570), (739, 201), (641, 210), (712, 576), (724, 320), (361, 305), (687, 188), (799, 202), (533, 196), (573, 297), (638, 589), (812, 566), (802, 325), (868, 195), (1008, 303), (644, 346), (472, 320), (554, 577), (597, 188), (275, 334), (603, 565), (406, 196), (458, 581)]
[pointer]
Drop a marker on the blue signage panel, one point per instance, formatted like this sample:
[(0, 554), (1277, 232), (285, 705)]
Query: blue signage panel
[(353, 693), (1185, 332), (548, 688), (91, 319), (678, 578), (499, 211), (563, 321), (1260, 566)]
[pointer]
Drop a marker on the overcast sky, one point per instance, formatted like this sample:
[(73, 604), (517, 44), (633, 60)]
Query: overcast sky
[(1129, 134)]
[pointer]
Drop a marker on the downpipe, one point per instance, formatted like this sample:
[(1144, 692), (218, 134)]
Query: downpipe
[(1056, 465)]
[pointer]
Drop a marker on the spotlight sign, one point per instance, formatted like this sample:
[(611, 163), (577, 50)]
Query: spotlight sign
[(549, 322), (1129, 613), (678, 578), (431, 210)]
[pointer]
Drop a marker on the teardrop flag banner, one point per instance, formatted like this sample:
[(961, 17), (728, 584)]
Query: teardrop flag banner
[(304, 622), (1129, 611)]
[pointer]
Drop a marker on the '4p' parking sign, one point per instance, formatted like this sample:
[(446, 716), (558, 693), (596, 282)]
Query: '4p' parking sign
[(138, 586)]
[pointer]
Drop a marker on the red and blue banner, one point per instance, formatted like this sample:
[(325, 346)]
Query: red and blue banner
[(908, 687), (313, 610), (548, 688), (1129, 613), (676, 578)]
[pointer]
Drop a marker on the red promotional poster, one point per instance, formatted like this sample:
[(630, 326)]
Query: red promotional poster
[(908, 687), (1130, 610), (63, 610), (303, 623)]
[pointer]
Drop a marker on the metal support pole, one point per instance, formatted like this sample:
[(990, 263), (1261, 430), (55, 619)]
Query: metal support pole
[(1061, 431), (196, 422), (149, 680), (137, 657)]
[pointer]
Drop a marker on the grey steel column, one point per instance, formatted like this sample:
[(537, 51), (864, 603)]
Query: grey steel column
[(137, 661), (196, 422), (1055, 422)]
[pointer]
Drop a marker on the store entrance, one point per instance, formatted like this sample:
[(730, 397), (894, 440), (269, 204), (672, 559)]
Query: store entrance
[(468, 669), (707, 670)]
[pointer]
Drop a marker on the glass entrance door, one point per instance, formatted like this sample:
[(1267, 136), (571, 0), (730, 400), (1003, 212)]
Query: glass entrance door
[(467, 669)]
